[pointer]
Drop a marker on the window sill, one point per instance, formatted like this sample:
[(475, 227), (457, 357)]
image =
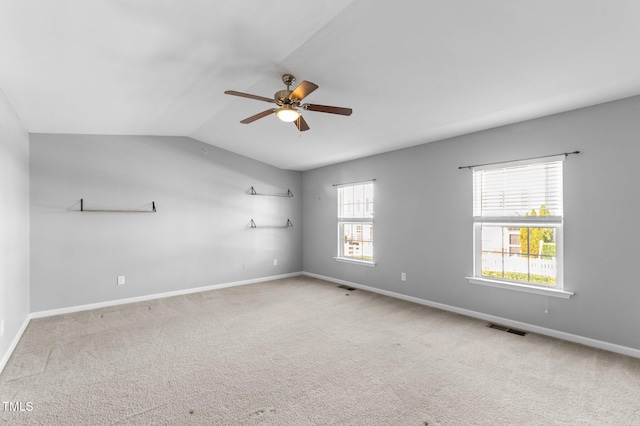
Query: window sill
[(553, 292), (355, 262)]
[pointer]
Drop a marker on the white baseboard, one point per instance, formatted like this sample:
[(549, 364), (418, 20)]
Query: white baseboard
[(612, 347), (491, 318), (14, 343), (72, 309)]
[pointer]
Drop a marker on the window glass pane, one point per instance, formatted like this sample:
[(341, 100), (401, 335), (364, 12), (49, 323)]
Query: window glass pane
[(345, 201), (358, 210), (368, 200), (357, 240), (492, 239), (367, 250), (358, 194), (348, 195), (358, 201), (346, 239), (347, 210), (525, 254)]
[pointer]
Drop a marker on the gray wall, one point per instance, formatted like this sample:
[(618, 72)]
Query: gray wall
[(423, 223), (198, 237), (14, 226)]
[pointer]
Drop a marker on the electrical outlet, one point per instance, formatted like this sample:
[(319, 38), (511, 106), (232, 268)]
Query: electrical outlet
[(275, 262), (403, 276), (120, 279)]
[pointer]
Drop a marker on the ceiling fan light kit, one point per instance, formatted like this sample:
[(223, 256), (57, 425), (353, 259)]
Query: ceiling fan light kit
[(288, 102), (288, 114)]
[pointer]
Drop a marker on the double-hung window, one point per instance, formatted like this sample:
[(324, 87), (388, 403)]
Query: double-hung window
[(517, 215), (355, 222)]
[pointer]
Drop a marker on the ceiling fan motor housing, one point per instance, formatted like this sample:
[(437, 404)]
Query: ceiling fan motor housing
[(282, 97)]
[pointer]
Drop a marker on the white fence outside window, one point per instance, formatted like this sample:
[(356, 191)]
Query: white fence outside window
[(536, 265)]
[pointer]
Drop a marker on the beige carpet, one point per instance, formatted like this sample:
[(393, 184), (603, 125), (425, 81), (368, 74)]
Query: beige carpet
[(301, 351)]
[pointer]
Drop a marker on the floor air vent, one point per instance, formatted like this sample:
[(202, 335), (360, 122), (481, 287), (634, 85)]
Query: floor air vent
[(344, 287), (507, 329)]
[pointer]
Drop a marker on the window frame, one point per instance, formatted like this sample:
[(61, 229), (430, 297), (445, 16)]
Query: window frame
[(352, 219), (555, 222)]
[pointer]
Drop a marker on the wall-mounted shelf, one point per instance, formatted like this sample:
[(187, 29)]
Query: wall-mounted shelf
[(252, 224), (288, 194), (82, 209)]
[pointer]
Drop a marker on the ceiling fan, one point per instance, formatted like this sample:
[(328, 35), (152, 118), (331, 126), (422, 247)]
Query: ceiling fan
[(289, 105)]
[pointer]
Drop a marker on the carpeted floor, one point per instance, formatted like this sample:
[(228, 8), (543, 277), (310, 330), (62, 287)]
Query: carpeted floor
[(301, 351)]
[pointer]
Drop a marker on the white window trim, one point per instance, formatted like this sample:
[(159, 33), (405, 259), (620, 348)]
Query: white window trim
[(355, 261), (517, 286)]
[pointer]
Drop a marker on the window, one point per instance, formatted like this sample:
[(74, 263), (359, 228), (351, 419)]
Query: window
[(517, 215), (355, 222)]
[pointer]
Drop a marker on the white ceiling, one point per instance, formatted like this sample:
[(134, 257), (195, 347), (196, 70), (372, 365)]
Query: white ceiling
[(413, 71)]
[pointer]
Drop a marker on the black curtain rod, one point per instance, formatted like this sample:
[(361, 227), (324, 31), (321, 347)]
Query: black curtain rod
[(522, 159), (349, 183)]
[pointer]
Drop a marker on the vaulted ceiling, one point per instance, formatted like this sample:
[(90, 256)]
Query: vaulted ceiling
[(413, 71)]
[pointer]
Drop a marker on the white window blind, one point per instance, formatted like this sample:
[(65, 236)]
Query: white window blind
[(356, 201), (513, 192)]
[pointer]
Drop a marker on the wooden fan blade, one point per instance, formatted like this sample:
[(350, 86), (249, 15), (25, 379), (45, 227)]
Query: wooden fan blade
[(301, 124), (303, 90), (258, 116), (248, 95), (329, 109)]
